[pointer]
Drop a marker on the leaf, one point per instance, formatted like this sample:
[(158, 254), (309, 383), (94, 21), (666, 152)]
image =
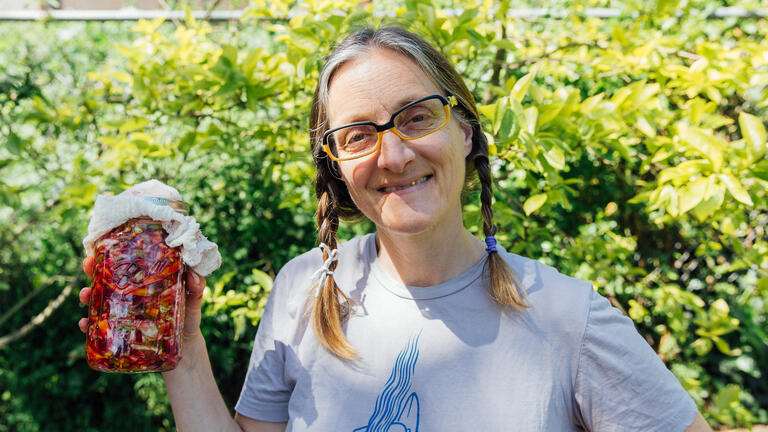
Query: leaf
[(702, 346), (122, 77), (14, 144), (590, 103), (520, 88), (555, 158), (753, 130), (762, 286), (133, 124), (705, 144), (727, 397), (692, 194), (505, 44), (637, 311), (531, 115), (684, 171), (487, 110), (719, 309), (187, 142), (736, 189), (263, 279), (507, 122), (643, 126), (534, 202)]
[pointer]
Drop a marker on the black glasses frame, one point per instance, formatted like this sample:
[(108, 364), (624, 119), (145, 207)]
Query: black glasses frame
[(448, 102)]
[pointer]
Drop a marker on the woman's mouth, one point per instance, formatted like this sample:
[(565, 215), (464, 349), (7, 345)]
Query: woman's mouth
[(398, 188)]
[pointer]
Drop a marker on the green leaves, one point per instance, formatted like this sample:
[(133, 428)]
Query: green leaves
[(736, 189), (629, 152), (753, 130), (534, 202)]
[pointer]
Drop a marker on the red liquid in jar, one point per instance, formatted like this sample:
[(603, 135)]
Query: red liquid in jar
[(135, 317)]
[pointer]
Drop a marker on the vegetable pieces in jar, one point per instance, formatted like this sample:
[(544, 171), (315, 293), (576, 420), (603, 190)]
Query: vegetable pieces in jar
[(137, 302)]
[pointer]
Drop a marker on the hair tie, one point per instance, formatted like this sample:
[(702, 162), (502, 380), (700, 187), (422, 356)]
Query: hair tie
[(490, 242), (325, 270)]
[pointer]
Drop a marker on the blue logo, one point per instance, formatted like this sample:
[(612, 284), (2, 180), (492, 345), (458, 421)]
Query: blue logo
[(397, 407)]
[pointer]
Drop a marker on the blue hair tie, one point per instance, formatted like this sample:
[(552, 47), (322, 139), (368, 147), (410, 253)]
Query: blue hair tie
[(490, 241)]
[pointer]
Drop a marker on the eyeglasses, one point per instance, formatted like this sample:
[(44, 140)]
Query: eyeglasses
[(415, 120)]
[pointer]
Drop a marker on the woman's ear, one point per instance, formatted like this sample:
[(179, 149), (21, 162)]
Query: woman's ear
[(468, 131)]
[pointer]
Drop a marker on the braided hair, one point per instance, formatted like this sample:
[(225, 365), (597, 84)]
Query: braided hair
[(334, 201)]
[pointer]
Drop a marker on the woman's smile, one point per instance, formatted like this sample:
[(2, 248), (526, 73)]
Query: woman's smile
[(405, 186)]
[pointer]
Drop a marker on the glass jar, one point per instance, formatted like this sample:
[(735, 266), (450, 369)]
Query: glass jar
[(136, 312)]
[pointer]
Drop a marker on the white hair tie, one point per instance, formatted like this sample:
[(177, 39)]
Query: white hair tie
[(325, 270)]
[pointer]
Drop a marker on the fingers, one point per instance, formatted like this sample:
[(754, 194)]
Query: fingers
[(88, 266), (195, 282), (195, 287), (85, 296)]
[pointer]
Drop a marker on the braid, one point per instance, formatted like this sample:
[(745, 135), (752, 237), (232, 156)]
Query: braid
[(486, 193), (506, 289), (329, 312)]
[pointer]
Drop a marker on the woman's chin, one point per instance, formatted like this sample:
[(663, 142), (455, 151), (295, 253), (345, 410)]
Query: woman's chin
[(406, 223)]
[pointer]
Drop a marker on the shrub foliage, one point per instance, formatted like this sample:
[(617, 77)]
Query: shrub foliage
[(628, 151)]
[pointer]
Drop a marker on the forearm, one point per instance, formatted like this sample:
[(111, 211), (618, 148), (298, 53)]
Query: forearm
[(699, 424), (195, 398)]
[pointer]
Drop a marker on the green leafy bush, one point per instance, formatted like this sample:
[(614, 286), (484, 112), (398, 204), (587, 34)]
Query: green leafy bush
[(630, 152)]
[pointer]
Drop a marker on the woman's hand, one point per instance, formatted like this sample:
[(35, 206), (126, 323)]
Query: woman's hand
[(195, 286)]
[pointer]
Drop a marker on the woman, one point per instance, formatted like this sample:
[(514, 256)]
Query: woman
[(421, 326)]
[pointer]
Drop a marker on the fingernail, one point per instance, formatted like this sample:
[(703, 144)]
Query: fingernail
[(195, 278)]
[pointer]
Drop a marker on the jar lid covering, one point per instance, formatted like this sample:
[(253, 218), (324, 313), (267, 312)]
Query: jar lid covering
[(162, 203), (179, 206)]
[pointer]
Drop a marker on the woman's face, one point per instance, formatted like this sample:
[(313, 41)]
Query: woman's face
[(405, 187)]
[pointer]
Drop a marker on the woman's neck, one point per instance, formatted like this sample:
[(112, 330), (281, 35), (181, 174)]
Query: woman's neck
[(429, 258)]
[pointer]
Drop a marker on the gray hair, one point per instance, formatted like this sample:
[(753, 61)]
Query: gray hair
[(431, 61)]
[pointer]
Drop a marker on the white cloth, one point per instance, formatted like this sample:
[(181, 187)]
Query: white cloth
[(110, 212)]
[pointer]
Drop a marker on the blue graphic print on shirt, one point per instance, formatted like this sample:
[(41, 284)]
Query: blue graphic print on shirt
[(397, 408)]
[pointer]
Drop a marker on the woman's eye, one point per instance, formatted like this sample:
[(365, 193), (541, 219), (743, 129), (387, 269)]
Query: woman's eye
[(418, 118), (356, 137)]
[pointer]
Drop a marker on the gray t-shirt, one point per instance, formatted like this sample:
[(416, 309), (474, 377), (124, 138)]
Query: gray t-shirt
[(447, 358)]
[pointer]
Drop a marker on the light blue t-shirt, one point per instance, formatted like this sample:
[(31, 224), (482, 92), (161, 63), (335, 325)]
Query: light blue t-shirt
[(447, 358)]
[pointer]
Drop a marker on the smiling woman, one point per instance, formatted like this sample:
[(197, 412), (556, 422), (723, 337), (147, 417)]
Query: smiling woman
[(421, 325)]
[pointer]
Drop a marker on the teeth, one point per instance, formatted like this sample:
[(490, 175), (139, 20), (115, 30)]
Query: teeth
[(413, 183)]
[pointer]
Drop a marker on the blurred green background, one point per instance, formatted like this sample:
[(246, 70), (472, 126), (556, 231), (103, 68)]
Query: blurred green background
[(629, 151)]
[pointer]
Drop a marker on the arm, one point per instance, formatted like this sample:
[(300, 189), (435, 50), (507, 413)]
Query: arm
[(699, 424), (622, 381), (196, 401), (195, 398)]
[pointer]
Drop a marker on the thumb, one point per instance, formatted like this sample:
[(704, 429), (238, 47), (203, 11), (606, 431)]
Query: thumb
[(195, 287)]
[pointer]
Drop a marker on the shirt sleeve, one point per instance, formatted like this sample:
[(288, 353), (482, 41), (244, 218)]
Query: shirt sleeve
[(621, 384), (266, 392)]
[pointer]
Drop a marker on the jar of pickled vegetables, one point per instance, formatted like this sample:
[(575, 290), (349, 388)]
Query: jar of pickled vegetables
[(136, 312)]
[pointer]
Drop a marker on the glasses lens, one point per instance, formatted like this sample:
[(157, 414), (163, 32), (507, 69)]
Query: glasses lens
[(420, 119), (352, 141)]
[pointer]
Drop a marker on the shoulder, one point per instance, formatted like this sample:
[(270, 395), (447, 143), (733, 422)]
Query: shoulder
[(299, 275), (559, 302), (350, 252), (546, 286)]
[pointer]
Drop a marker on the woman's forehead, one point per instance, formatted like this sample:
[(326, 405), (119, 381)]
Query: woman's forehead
[(374, 85)]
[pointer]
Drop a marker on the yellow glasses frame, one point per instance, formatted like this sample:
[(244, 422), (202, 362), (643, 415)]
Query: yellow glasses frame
[(448, 102)]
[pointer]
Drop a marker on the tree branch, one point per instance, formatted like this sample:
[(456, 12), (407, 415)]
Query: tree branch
[(32, 295), (38, 319)]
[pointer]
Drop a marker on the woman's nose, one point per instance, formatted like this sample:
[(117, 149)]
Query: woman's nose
[(394, 153)]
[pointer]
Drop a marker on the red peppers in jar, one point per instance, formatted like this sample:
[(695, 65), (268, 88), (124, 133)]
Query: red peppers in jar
[(136, 312)]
